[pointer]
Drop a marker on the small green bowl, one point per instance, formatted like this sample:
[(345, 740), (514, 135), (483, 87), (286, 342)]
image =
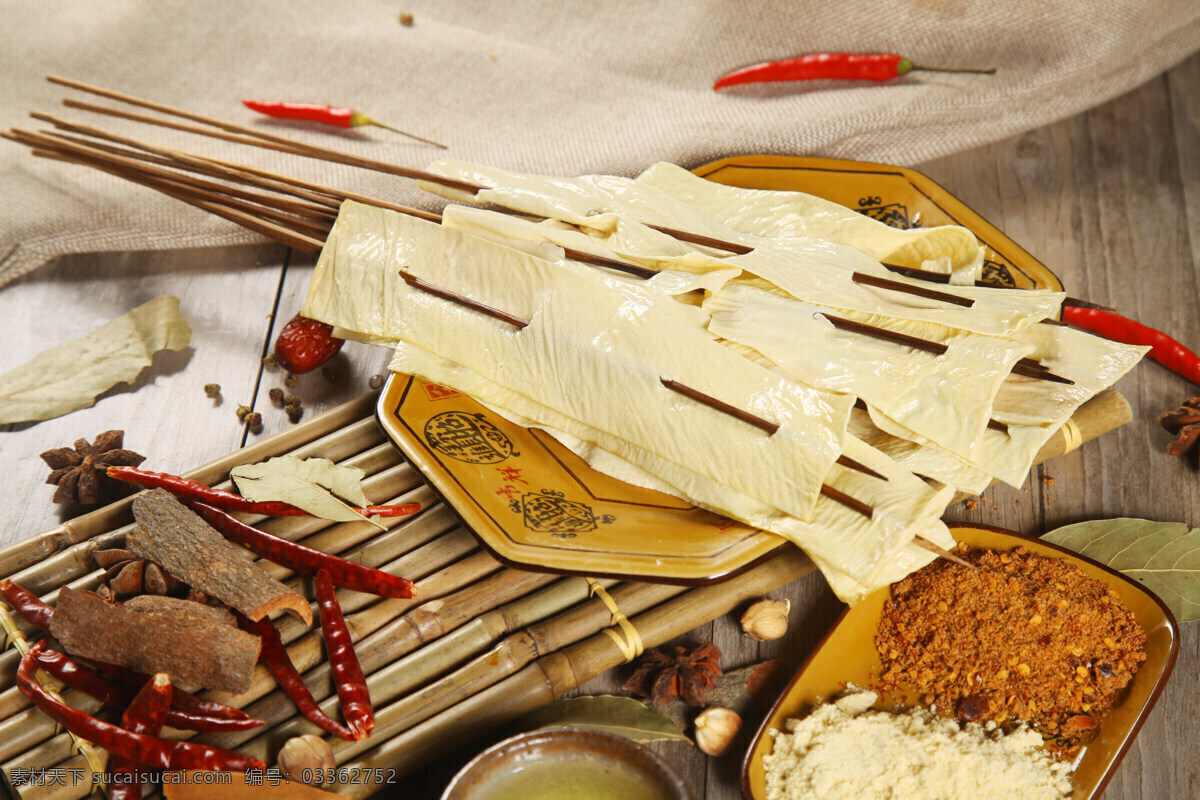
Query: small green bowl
[(554, 763)]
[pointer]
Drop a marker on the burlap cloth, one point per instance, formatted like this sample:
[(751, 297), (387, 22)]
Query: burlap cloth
[(540, 85)]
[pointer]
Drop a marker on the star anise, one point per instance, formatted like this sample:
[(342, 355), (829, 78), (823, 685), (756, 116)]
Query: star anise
[(1183, 421), (79, 473), (128, 574), (662, 676)]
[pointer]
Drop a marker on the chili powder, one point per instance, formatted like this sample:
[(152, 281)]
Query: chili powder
[(1024, 638)]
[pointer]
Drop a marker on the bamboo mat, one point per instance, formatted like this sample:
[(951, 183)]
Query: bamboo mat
[(480, 645)]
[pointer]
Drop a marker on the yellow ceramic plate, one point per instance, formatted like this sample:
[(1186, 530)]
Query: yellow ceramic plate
[(847, 655), (536, 505)]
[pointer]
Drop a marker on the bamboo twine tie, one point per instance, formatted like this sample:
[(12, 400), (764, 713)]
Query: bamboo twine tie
[(15, 639), (1072, 436), (627, 639)]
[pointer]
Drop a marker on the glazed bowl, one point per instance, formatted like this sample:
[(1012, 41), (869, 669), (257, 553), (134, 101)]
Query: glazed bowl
[(566, 762)]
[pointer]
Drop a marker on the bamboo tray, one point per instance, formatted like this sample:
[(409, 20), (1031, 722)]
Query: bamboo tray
[(481, 645)]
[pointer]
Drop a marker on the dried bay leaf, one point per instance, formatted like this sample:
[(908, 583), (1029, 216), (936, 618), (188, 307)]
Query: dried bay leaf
[(1164, 556), (313, 484), (69, 377), (622, 716)]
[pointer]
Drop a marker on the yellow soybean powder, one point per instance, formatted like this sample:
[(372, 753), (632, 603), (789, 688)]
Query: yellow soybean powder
[(845, 750)]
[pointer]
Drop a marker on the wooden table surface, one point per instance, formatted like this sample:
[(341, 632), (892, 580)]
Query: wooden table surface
[(1109, 200)]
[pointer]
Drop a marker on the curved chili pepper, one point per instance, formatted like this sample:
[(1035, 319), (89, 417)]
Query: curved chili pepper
[(274, 657), (832, 66), (182, 701), (183, 487), (146, 714), (301, 559), (109, 692), (1165, 350), (347, 673), (326, 115), (140, 748), (27, 604)]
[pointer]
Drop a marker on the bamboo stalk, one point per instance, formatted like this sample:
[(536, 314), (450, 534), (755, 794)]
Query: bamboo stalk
[(415, 630), (553, 675)]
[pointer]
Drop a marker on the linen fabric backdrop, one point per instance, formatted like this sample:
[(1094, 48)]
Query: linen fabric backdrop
[(548, 86)]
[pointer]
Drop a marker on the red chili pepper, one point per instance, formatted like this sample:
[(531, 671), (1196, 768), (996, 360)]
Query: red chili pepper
[(274, 656), (832, 66), (301, 559), (180, 700), (326, 115), (305, 344), (1166, 351), (140, 748), (347, 673), (110, 692), (27, 604), (183, 487), (146, 714)]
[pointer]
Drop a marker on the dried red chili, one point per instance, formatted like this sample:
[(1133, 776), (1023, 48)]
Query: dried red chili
[(185, 488), (145, 714), (326, 115), (140, 748), (301, 559), (1165, 350), (347, 673), (109, 692), (274, 657), (27, 604), (832, 66), (180, 700)]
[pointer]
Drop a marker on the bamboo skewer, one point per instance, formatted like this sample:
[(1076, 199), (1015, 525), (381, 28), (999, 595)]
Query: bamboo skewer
[(724, 408), (897, 286)]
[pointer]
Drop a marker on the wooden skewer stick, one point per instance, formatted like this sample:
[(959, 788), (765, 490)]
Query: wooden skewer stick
[(316, 151), (944, 277), (1026, 367), (848, 501), (941, 552), (850, 463), (462, 300), (997, 426), (897, 286), (276, 142), (723, 407)]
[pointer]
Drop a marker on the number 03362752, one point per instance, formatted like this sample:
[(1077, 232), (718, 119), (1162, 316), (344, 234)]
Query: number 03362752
[(349, 775)]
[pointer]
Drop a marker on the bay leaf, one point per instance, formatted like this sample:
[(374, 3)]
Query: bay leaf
[(623, 716), (316, 485), (1164, 556), (69, 376)]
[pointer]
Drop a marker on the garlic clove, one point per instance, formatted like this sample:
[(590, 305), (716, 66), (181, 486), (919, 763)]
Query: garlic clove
[(716, 729), (307, 759), (766, 619)]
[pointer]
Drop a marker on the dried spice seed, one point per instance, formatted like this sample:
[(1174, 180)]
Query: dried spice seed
[(375, 382), (406, 20), (985, 648), (242, 412), (294, 413), (254, 420), (212, 390), (276, 395), (269, 360), (292, 400), (291, 381)]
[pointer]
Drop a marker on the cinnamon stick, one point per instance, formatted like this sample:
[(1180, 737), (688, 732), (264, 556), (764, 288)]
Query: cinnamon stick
[(171, 535), (190, 645)]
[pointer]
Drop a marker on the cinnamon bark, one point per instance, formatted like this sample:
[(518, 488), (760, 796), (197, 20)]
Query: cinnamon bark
[(171, 535), (192, 645), (154, 602)]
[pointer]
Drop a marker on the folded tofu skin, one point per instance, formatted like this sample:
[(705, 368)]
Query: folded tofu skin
[(597, 356)]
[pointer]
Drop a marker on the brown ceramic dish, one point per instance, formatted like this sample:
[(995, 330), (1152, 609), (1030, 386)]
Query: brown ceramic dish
[(566, 762), (535, 505), (848, 656)]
